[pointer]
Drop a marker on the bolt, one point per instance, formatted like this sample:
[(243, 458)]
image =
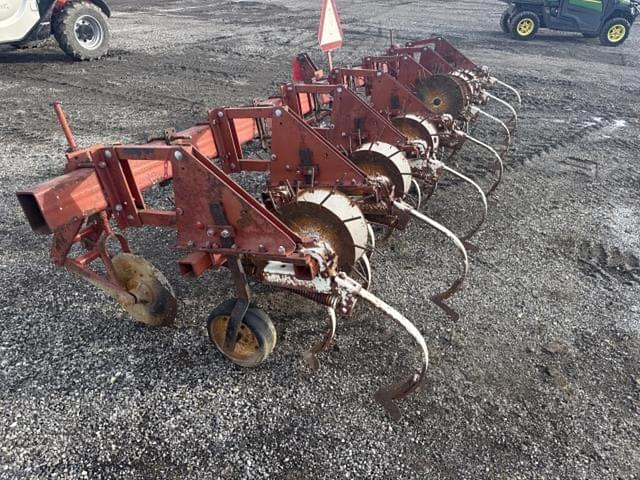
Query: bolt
[(220, 114), (118, 208), (261, 248), (339, 89), (343, 134), (278, 113), (344, 310), (225, 233), (281, 250), (107, 155), (102, 164), (290, 88), (190, 243), (210, 232), (233, 165), (178, 155), (287, 167), (274, 157), (179, 211), (378, 74)]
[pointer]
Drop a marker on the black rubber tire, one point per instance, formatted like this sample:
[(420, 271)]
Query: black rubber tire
[(260, 325), (517, 18), (604, 40), (63, 27), (505, 25)]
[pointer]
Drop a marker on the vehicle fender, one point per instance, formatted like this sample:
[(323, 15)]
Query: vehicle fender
[(101, 4), (622, 14)]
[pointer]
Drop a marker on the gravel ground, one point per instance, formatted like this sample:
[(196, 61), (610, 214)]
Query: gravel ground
[(538, 379)]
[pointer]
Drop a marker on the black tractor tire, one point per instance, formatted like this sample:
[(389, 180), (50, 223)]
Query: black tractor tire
[(524, 25), (504, 22), (621, 25), (82, 30)]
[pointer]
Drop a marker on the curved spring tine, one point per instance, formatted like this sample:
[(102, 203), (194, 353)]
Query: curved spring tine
[(498, 161), (439, 298), (507, 138), (509, 87), (465, 238), (363, 270), (514, 114), (311, 355), (418, 193), (386, 395), (371, 238)]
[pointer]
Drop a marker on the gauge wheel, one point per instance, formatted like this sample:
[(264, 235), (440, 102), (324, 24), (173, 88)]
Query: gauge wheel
[(504, 21), (614, 32), (524, 25), (82, 30), (256, 337)]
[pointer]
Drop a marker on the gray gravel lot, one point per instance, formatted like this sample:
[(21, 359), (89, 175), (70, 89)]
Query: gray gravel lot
[(540, 378)]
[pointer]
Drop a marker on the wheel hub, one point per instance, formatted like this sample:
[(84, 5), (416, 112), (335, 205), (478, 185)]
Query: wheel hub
[(88, 32), (246, 344), (525, 27), (616, 33)]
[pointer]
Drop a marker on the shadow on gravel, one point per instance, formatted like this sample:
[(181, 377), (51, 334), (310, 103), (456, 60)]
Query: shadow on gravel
[(21, 56)]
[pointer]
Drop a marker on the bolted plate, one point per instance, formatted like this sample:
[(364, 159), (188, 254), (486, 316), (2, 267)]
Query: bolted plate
[(155, 301), (442, 94)]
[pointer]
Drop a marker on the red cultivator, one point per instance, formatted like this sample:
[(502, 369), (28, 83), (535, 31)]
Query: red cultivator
[(337, 162)]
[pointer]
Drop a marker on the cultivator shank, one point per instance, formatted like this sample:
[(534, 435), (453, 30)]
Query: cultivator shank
[(341, 153)]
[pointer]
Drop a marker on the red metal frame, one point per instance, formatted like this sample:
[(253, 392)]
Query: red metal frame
[(446, 51)]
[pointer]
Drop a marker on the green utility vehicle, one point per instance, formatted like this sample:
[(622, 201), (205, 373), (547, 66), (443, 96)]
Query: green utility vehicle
[(609, 20)]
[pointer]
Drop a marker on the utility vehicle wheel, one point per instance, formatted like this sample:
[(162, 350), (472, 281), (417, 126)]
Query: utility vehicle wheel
[(504, 22), (524, 25), (256, 338), (82, 30), (614, 32)]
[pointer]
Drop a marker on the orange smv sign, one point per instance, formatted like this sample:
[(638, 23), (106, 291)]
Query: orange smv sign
[(330, 31)]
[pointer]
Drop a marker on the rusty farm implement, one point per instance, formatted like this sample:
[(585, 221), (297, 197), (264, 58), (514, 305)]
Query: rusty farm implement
[(336, 162)]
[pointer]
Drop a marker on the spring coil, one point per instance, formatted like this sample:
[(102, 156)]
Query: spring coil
[(325, 299)]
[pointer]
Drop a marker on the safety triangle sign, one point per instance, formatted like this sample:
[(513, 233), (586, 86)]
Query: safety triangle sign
[(330, 31)]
